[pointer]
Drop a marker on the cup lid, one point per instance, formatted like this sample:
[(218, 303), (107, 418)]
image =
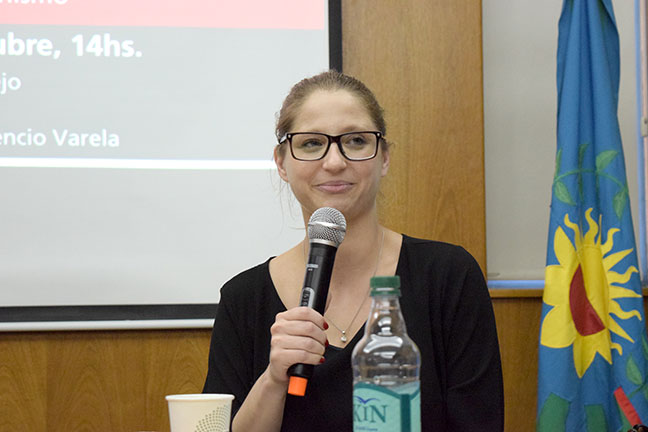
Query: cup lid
[(199, 396)]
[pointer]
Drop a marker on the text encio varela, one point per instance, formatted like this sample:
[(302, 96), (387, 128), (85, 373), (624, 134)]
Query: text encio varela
[(59, 137)]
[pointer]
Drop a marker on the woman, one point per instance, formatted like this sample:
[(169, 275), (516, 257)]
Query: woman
[(332, 152)]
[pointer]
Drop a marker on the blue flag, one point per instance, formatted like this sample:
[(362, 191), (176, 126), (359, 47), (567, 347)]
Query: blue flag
[(593, 352)]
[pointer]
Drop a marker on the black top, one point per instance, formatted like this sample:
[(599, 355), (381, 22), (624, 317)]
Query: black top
[(448, 314)]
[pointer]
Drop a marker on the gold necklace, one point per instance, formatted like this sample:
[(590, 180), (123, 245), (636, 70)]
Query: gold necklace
[(343, 334)]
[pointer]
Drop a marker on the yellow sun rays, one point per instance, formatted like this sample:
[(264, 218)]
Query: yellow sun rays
[(583, 307)]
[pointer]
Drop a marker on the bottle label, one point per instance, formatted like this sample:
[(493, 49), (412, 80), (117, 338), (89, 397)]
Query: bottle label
[(380, 409)]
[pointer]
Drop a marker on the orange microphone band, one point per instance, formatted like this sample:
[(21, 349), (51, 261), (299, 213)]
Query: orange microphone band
[(297, 386)]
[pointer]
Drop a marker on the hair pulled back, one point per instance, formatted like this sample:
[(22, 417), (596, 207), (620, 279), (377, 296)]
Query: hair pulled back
[(327, 81)]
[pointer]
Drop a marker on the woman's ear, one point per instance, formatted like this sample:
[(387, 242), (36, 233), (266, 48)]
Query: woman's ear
[(279, 158), (385, 161)]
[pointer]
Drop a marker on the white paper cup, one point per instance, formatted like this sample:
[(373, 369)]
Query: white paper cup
[(208, 412)]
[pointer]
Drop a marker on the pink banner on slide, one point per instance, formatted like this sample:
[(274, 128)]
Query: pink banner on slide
[(263, 14)]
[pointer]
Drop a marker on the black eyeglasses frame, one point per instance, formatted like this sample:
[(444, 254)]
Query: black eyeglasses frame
[(332, 139)]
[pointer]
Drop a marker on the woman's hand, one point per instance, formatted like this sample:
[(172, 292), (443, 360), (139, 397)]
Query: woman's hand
[(297, 337)]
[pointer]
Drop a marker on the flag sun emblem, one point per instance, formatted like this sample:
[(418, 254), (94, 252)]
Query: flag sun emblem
[(584, 314)]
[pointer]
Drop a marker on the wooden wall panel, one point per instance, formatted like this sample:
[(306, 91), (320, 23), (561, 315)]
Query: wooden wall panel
[(423, 59), (518, 326), (23, 383), (97, 381), (116, 381)]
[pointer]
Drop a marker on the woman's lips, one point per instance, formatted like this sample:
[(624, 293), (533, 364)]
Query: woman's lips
[(335, 186)]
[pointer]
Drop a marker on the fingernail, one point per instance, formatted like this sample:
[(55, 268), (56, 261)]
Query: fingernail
[(326, 343), (322, 360), (325, 325)]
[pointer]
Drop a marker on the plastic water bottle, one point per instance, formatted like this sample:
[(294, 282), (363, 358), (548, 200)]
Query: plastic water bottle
[(386, 365)]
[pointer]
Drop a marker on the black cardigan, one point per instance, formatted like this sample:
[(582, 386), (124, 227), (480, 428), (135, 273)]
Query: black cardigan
[(448, 314)]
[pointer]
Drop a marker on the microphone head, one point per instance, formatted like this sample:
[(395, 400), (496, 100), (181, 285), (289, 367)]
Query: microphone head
[(327, 225)]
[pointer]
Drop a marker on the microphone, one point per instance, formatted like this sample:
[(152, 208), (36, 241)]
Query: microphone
[(326, 230)]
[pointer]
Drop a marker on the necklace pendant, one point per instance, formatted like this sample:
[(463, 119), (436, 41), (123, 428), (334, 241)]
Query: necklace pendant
[(343, 338)]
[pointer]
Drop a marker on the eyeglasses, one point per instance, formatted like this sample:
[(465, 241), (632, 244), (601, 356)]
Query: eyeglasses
[(312, 146)]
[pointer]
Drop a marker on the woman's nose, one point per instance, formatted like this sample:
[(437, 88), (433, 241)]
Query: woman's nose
[(334, 158)]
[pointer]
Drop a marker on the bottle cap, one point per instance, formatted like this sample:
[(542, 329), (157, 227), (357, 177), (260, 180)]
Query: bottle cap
[(385, 285), (297, 386)]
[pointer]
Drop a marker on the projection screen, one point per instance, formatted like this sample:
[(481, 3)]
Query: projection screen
[(136, 143)]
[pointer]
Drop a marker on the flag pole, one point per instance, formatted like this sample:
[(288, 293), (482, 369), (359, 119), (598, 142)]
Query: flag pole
[(641, 14)]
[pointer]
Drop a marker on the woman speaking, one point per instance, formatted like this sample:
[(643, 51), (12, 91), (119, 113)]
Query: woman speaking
[(332, 151)]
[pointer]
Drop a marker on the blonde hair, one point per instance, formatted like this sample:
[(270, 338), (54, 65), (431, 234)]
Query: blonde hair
[(328, 81)]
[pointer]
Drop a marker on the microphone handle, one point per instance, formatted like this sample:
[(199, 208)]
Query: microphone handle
[(315, 290)]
